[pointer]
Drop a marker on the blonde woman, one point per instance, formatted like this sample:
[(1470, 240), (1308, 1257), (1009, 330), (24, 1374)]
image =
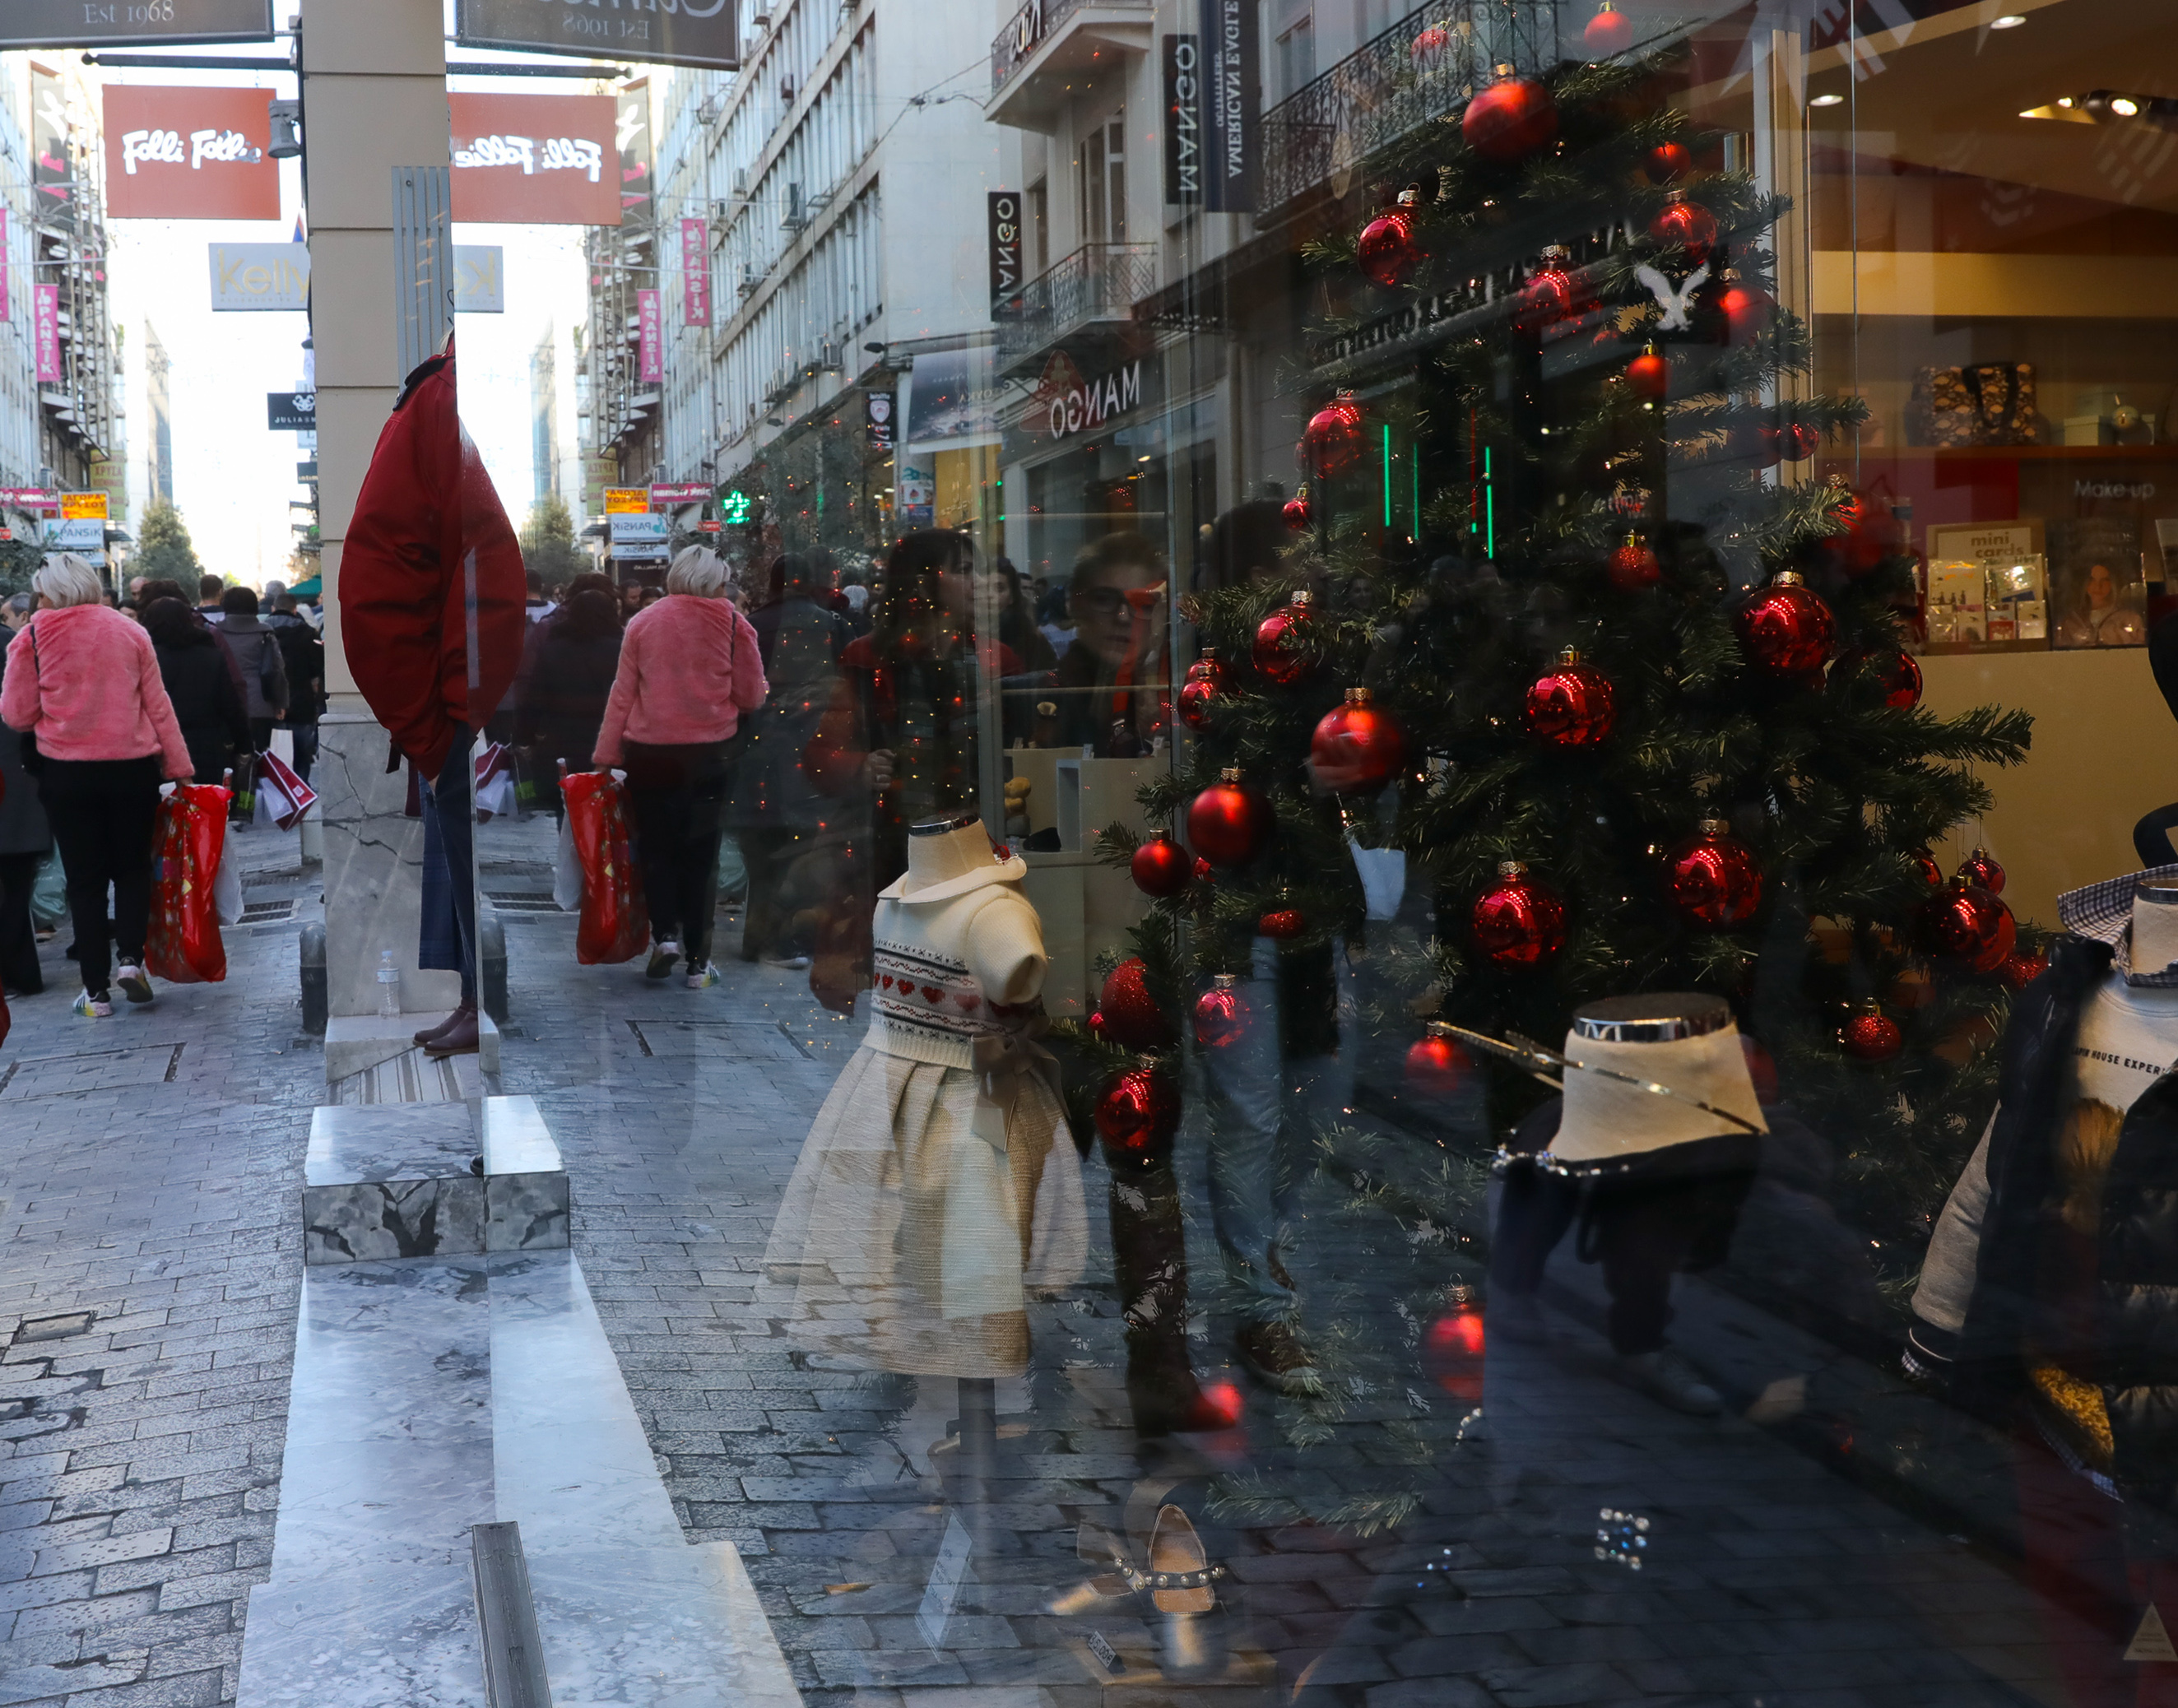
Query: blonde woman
[(83, 684)]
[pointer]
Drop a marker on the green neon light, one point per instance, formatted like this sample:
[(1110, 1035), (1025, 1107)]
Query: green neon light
[(1387, 475), (1489, 508), (1414, 471)]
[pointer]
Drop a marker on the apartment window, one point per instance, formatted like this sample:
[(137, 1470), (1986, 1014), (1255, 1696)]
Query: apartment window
[(1102, 168), (1296, 56), (1038, 222)]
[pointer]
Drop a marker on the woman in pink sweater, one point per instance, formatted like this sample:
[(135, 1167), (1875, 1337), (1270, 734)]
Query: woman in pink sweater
[(689, 667), (84, 682)]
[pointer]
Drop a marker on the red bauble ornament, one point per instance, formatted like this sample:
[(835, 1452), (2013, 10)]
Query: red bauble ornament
[(1980, 867), (2019, 969), (1201, 870), (1510, 119), (1160, 866), (1867, 532), (1204, 685), (1280, 651), (1932, 874), (1747, 310), (1097, 1022), (1713, 877), (1138, 1112), (1429, 42), (1963, 926), (1550, 296), (1358, 745), (1633, 566), (1687, 225), (1296, 513), (1898, 674), (1649, 375), (1282, 924), (1388, 251), (1668, 161), (1332, 442), (1131, 1016), (1785, 628), (1437, 1067), (1798, 441), (1870, 1035), (1227, 821), (1610, 31), (1571, 704), (1221, 1014), (1520, 923)]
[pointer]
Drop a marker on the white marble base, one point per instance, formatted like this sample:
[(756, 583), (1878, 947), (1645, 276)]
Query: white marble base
[(380, 1636), (358, 1042)]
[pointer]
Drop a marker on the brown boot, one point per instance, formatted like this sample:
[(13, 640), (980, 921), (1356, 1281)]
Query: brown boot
[(430, 1032), (460, 1035)]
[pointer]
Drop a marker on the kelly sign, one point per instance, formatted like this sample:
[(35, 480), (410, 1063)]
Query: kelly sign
[(189, 153), (261, 278), (112, 23), (695, 273), (534, 159), (693, 32)]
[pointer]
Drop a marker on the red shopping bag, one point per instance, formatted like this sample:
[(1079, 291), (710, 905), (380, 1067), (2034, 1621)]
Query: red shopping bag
[(280, 784), (184, 946), (614, 924)]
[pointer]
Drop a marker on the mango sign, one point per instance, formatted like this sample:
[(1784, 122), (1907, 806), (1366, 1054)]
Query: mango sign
[(189, 153), (534, 159)]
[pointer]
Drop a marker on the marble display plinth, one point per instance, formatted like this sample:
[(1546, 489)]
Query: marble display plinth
[(526, 1203)]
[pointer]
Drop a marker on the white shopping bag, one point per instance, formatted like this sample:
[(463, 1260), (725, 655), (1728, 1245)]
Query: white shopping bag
[(227, 886), (567, 871)]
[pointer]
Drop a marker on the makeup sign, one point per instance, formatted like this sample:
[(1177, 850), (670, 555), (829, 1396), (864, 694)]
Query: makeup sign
[(189, 153)]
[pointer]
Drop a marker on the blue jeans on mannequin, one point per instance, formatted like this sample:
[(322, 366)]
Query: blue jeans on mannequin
[(1255, 1161), (447, 933)]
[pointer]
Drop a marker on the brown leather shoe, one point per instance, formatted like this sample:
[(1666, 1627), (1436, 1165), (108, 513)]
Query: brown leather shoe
[(429, 1032), (459, 1038)]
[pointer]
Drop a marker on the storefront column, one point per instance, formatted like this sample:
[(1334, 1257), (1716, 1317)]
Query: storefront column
[(1780, 167)]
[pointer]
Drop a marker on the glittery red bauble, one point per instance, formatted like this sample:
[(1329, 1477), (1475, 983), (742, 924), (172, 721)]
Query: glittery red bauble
[(1550, 296), (1280, 651), (1667, 161), (1160, 866), (1687, 224), (1898, 674), (1221, 1016), (1429, 42), (1097, 1021), (1981, 867), (1785, 628), (1608, 32), (1131, 1016), (1932, 874), (1798, 441), (1518, 922), (1437, 1067), (1510, 120), (1713, 877), (1871, 1037), (1633, 566), (1296, 514), (1358, 745), (1227, 822), (1761, 1068), (1282, 924), (1747, 310), (1649, 375), (1138, 1112), (2019, 969), (1964, 926), (1331, 444), (1388, 252), (1570, 705)]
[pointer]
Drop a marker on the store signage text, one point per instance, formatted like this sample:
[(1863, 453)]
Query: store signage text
[(165, 146), (1230, 79), (1093, 402), (682, 492), (111, 23), (189, 153), (2114, 489), (1005, 245), (650, 355), (83, 506), (291, 412), (879, 407), (266, 278), (533, 159), (46, 330), (1183, 121), (695, 273), (29, 498), (670, 32), (627, 500), (535, 154)]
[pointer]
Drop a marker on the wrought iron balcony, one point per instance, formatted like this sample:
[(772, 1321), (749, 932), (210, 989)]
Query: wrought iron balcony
[(1099, 284), (1037, 21), (1423, 67)]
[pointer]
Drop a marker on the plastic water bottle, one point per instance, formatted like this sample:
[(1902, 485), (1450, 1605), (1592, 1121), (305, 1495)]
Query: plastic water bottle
[(389, 985)]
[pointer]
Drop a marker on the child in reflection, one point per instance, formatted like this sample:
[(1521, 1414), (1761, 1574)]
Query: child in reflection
[(2097, 619), (1110, 691)]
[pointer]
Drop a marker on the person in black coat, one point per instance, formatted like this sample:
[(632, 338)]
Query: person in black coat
[(25, 840), (214, 721), (567, 671)]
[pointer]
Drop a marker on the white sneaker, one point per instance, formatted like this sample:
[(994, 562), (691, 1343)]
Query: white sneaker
[(94, 1007), (134, 984), (1666, 1376), (662, 955), (788, 963), (702, 976)]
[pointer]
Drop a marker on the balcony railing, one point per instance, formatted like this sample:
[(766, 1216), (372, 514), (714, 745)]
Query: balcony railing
[(1423, 67), (1028, 29), (1098, 282)]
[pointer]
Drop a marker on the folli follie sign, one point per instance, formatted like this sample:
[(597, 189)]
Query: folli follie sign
[(534, 159), (189, 153)]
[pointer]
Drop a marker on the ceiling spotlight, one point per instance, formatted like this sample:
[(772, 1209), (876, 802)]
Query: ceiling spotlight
[(1827, 100), (2124, 107), (2064, 100), (2010, 20)]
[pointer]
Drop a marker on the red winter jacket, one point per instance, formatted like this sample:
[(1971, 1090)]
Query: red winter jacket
[(428, 545)]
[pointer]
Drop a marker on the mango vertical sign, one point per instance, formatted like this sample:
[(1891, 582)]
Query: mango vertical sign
[(189, 153), (534, 159)]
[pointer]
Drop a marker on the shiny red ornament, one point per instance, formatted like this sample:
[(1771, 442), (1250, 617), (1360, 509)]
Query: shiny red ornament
[(1649, 375), (1388, 251), (1713, 877), (1131, 1014), (1332, 442), (1282, 924), (1437, 1067), (1867, 532), (1796, 442), (1687, 225), (1610, 31), (1511, 119), (1227, 821), (1296, 514), (1746, 309), (1202, 870), (1571, 704), (1932, 874), (1280, 651), (1520, 922), (1633, 566), (1870, 1035), (1429, 42), (1551, 296), (1221, 1014), (1964, 926), (1358, 745), (2020, 969), (1980, 867), (1159, 866), (1785, 628), (1097, 1024), (1138, 1112), (1200, 692), (1897, 672), (1453, 1351), (1668, 161)]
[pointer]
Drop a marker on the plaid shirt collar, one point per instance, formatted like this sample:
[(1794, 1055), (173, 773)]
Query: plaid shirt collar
[(2104, 911)]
